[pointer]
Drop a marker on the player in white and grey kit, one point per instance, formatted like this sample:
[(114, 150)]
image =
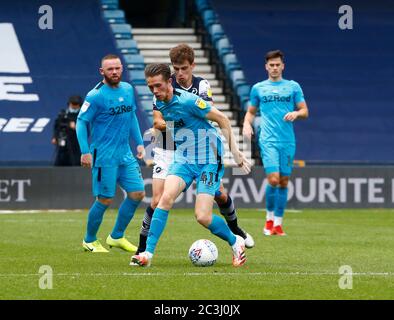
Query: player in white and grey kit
[(182, 59)]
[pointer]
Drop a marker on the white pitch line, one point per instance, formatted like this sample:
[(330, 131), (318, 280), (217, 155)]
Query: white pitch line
[(37, 211), (193, 274)]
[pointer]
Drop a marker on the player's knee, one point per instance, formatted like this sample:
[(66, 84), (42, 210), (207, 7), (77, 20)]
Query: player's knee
[(166, 201), (284, 182), (273, 181), (203, 218), (105, 201), (221, 199), (137, 196)]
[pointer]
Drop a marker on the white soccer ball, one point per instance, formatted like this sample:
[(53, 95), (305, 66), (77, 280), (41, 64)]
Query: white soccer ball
[(203, 253)]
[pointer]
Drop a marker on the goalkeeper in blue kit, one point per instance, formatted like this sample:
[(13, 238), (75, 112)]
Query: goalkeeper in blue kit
[(109, 113), (198, 157), (280, 102)]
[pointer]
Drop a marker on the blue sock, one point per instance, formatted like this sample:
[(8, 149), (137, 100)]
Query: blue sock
[(157, 226), (281, 203), (126, 213), (219, 228), (271, 197), (95, 218)]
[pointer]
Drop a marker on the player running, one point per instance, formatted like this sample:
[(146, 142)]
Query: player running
[(182, 59), (277, 99), (198, 157), (109, 110)]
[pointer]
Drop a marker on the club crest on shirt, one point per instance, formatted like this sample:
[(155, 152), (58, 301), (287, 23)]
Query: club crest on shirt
[(201, 103), (85, 106)]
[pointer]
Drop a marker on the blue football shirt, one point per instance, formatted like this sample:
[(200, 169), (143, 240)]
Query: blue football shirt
[(274, 100), (197, 141), (111, 115)]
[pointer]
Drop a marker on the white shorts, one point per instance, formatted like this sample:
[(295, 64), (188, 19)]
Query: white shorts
[(162, 160)]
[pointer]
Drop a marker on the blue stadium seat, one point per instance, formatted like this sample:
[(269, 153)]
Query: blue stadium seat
[(110, 4), (216, 32), (202, 5), (243, 92), (134, 61), (127, 46), (121, 30), (230, 62), (147, 105), (237, 78), (223, 46), (137, 77), (114, 16), (209, 17), (144, 92)]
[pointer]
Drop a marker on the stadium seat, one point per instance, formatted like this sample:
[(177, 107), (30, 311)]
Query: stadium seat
[(231, 63), (121, 30), (144, 92), (147, 105), (203, 5), (243, 92), (223, 46), (137, 77), (237, 78), (209, 17), (110, 4), (114, 16), (127, 46), (216, 32), (134, 61)]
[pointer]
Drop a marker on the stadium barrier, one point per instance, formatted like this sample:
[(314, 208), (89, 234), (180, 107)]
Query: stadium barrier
[(310, 187)]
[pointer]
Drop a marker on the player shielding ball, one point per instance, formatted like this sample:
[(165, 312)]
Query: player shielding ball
[(280, 102), (196, 159)]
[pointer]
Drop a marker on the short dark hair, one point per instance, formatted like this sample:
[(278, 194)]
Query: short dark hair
[(274, 54), (181, 53), (110, 57), (155, 69), (75, 100)]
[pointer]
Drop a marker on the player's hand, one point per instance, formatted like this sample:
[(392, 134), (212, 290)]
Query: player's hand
[(245, 164), (291, 116), (247, 131), (86, 160), (140, 152)]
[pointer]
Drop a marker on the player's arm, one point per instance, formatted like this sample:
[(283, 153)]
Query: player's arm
[(135, 134), (225, 126), (82, 136), (302, 112), (247, 129)]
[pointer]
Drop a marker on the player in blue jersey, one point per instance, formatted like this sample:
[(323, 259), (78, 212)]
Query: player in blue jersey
[(109, 113), (198, 157), (280, 102), (182, 59)]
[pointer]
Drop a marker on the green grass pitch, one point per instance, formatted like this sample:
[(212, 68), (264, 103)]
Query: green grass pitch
[(303, 265)]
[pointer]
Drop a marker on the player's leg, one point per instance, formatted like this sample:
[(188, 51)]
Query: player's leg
[(162, 159), (286, 165), (103, 184), (173, 186), (208, 182), (130, 179), (227, 209), (271, 161)]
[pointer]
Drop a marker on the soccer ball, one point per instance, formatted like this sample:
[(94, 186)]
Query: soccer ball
[(203, 253)]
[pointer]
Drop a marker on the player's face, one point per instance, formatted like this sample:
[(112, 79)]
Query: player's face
[(184, 73), (111, 70), (160, 87), (275, 68)]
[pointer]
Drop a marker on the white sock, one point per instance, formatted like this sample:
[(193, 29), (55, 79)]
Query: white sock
[(270, 215), (278, 221), (150, 255)]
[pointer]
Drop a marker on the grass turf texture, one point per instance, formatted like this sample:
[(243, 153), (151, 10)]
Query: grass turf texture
[(303, 265)]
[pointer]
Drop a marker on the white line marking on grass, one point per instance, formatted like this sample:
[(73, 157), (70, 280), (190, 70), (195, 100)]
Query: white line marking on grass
[(36, 211), (194, 274)]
